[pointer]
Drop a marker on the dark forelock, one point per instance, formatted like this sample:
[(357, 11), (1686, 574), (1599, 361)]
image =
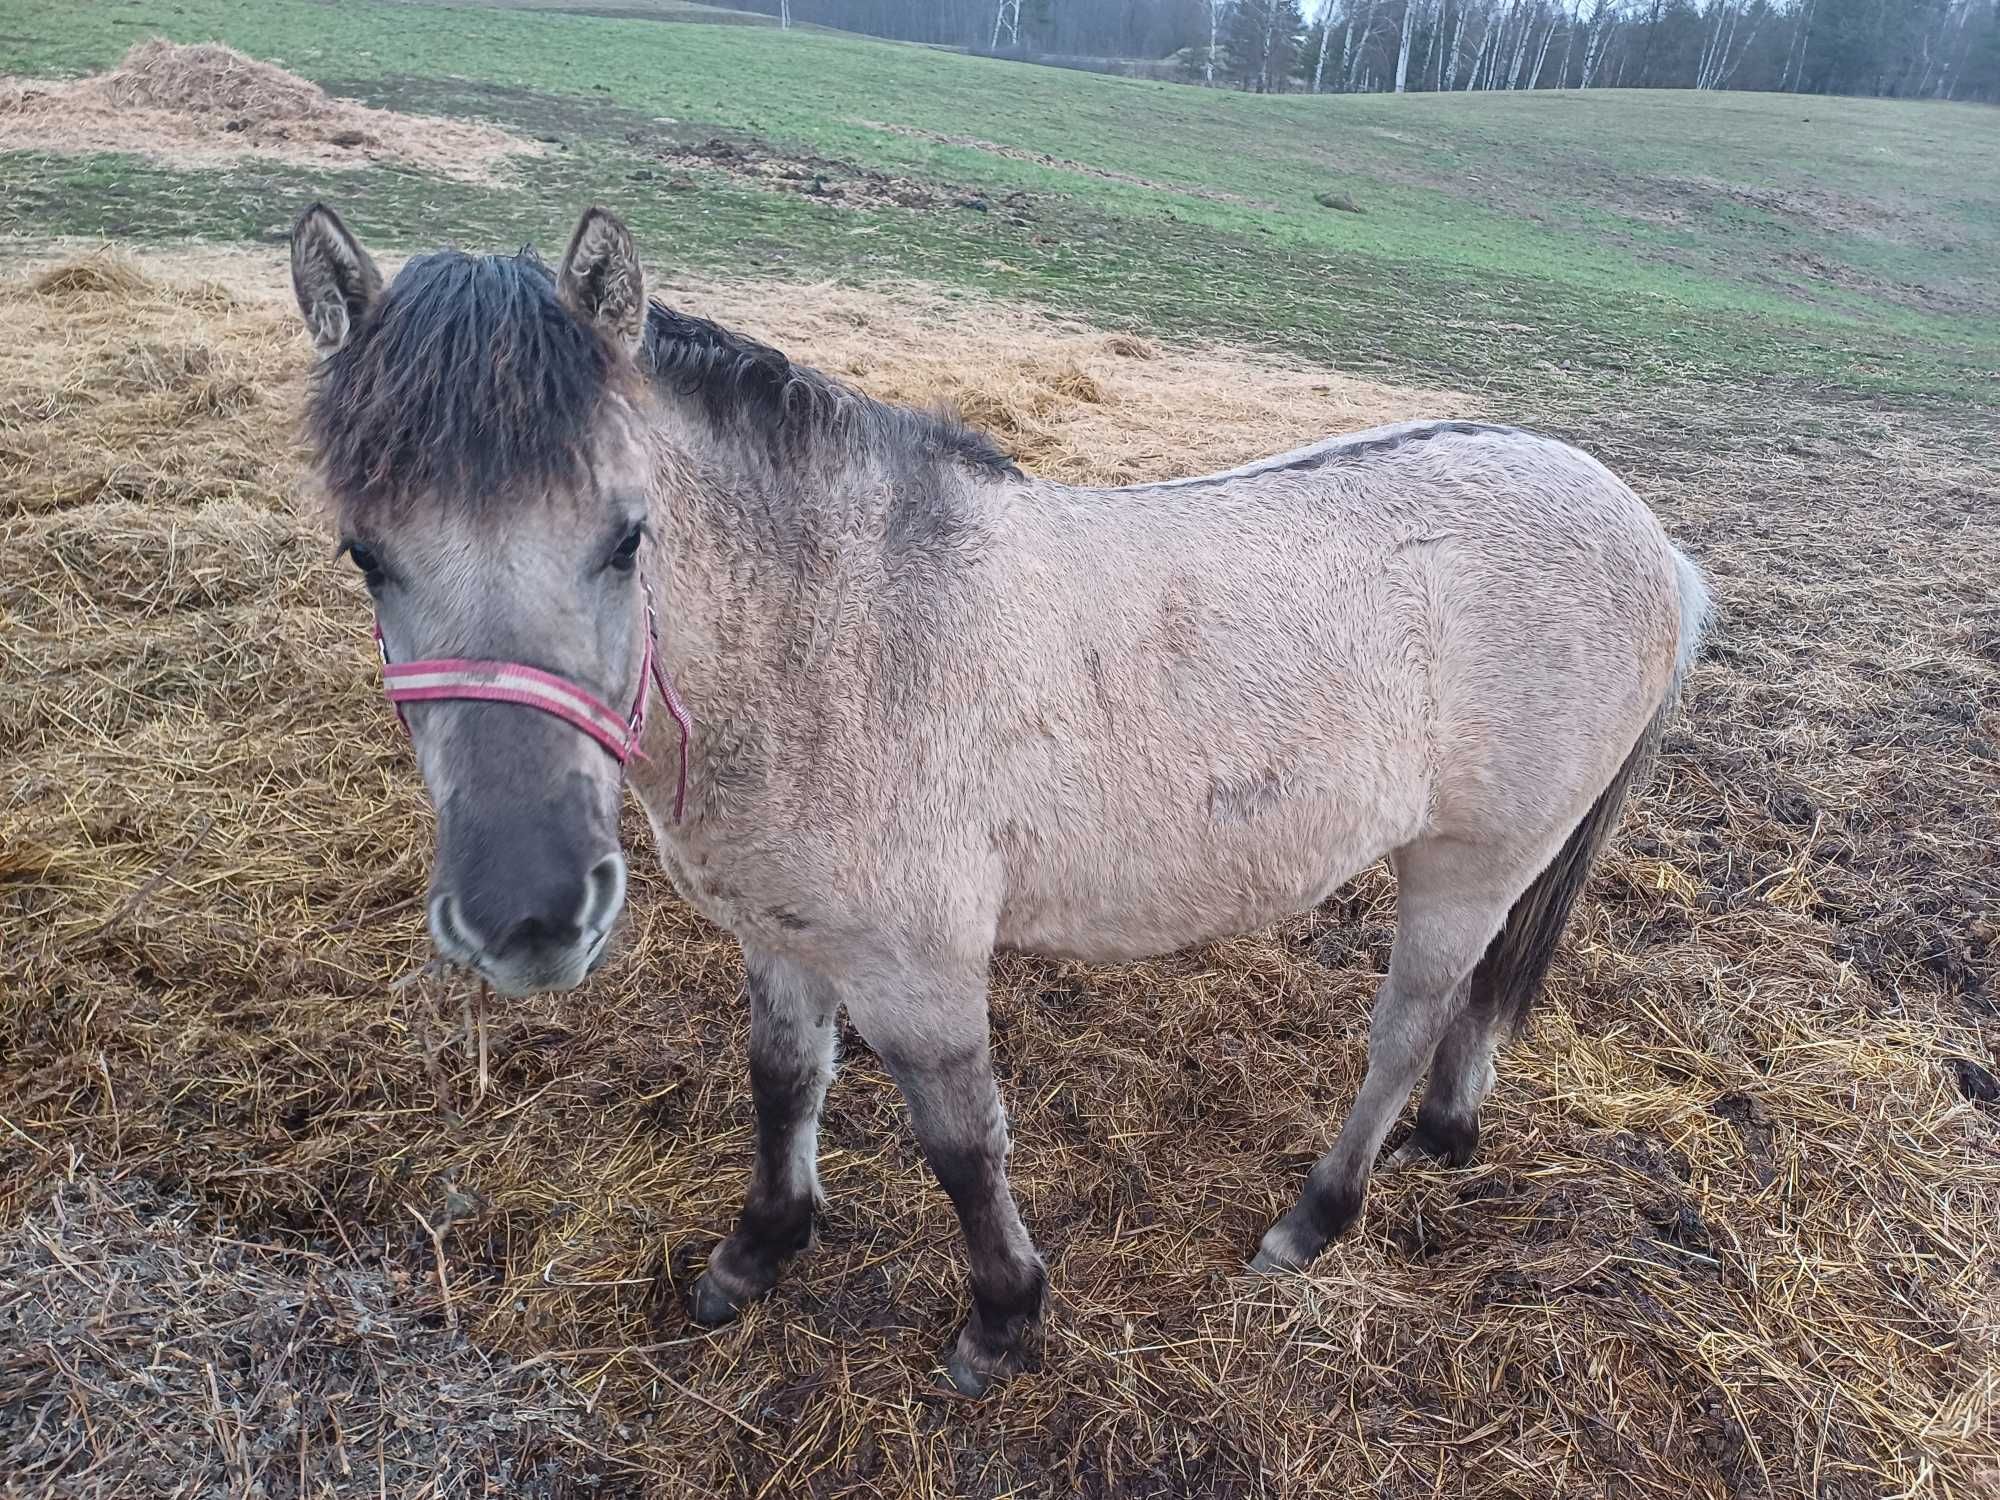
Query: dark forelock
[(467, 380)]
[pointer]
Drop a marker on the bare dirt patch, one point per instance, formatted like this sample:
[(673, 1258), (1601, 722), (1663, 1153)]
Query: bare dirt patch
[(845, 184), (201, 104), (1731, 1230), (1815, 208), (1061, 163)]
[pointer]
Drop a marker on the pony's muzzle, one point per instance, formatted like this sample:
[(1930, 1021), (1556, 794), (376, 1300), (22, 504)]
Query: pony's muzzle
[(526, 931)]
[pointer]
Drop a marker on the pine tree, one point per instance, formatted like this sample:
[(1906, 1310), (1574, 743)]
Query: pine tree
[(1263, 42)]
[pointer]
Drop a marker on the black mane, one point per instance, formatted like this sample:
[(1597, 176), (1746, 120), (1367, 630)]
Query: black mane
[(737, 380), (470, 379), (467, 378)]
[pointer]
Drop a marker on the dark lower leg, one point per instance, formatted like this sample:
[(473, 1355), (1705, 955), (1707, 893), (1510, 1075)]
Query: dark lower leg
[(1461, 1075), (1338, 1182), (791, 1061), (1007, 1279), (956, 1109)]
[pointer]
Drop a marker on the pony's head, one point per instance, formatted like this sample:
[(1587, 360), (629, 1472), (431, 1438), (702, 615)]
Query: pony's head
[(478, 428)]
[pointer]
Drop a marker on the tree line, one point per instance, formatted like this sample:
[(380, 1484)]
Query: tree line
[(1910, 49)]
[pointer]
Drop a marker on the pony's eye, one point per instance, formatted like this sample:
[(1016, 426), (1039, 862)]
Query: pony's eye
[(369, 564), (628, 550)]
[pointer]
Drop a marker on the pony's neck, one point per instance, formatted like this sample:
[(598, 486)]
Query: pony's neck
[(744, 545), (746, 508), (765, 550)]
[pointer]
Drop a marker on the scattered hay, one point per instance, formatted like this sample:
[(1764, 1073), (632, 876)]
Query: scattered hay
[(1732, 1229), (196, 105), (1071, 402), (136, 1343), (101, 368)]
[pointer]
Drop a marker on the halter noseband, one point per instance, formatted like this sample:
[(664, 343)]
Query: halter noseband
[(511, 682)]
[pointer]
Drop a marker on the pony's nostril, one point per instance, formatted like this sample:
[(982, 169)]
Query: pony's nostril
[(540, 935), (604, 893), (445, 929)]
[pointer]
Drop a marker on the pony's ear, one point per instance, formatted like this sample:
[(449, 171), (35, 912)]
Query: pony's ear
[(600, 280), (332, 276)]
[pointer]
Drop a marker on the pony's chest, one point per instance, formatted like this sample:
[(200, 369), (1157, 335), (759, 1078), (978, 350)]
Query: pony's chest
[(744, 882), (772, 823)]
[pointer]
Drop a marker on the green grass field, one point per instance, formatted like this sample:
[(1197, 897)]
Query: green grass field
[(1817, 245)]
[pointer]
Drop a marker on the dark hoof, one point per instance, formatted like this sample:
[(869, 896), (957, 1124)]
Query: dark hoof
[(974, 1370), (710, 1306), (1264, 1263), (966, 1377), (1453, 1142), (999, 1340), (1296, 1240)]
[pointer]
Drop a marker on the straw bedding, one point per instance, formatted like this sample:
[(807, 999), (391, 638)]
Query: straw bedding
[(253, 1360), (1732, 1231), (205, 103)]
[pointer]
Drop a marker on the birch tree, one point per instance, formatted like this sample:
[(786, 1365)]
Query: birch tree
[(1479, 55), (1325, 36), (1570, 23), (1006, 10), (1451, 53), (1601, 21), (1521, 49), (1350, 54), (1541, 57)]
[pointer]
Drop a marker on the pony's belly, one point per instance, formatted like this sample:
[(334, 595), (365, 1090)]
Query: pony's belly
[(1249, 851), (1105, 916)]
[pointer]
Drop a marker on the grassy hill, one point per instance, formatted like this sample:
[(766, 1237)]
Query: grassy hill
[(1817, 244)]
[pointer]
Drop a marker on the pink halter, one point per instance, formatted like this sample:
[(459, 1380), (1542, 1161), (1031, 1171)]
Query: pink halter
[(511, 682)]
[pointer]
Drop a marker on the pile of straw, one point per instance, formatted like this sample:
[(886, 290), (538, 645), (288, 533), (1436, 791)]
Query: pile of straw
[(202, 104), (1732, 1231), (136, 1344), (208, 78)]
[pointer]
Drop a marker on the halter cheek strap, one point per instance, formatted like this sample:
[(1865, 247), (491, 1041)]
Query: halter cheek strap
[(511, 682)]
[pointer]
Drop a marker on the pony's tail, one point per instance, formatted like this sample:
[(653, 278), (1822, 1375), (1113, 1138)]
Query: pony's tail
[(1509, 976)]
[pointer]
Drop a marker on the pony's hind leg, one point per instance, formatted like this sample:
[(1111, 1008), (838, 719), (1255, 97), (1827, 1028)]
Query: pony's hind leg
[(1447, 910), (1461, 1078), (792, 1037), (1508, 978)]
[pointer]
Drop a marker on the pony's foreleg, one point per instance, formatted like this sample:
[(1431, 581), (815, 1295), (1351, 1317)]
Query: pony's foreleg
[(792, 1036), (932, 1034)]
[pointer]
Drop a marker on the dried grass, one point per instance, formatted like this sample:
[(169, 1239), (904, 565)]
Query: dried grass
[(1071, 402), (1732, 1232), (202, 103), (136, 1343)]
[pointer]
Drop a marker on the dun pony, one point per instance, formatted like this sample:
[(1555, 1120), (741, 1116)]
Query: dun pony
[(940, 708)]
